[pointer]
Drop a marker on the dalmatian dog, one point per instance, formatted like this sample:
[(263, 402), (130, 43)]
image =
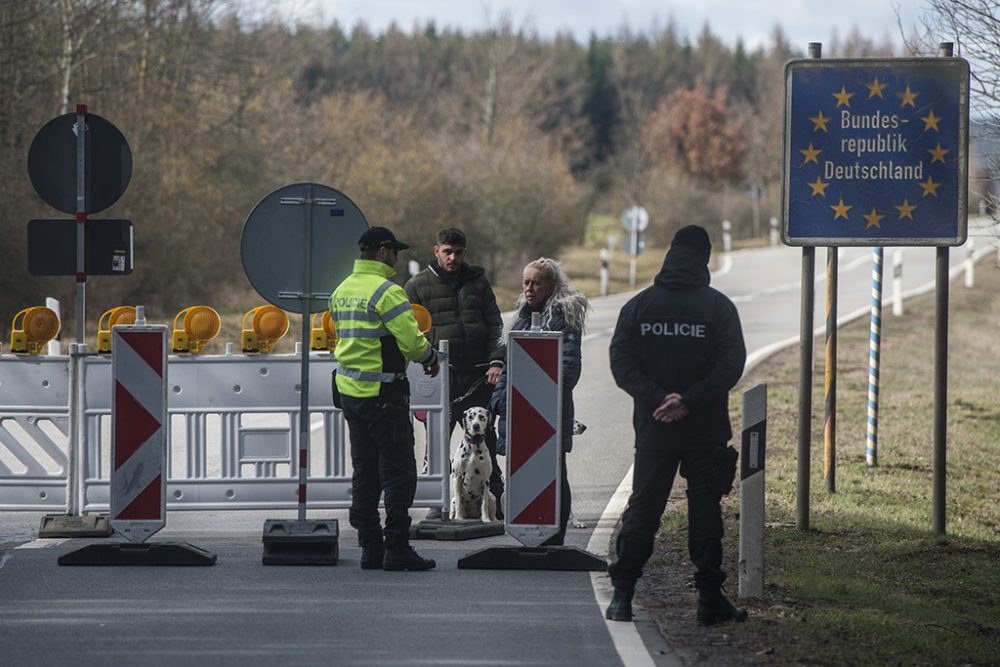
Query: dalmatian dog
[(470, 470)]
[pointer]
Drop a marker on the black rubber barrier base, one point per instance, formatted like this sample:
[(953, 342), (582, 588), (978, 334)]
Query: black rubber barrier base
[(533, 558), (146, 553), (67, 525), (301, 542), (464, 529)]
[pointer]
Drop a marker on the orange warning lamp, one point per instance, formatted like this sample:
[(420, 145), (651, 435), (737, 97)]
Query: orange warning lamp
[(267, 324), (32, 329), (423, 318), (195, 326), (324, 336), (119, 315)]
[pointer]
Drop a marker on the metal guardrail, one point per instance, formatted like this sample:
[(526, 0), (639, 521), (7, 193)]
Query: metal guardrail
[(233, 433)]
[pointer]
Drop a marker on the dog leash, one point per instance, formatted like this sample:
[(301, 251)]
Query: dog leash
[(475, 385)]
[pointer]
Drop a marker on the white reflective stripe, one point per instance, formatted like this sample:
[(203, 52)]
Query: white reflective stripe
[(367, 376), (138, 472), (357, 315), (363, 333), (373, 301), (138, 378), (396, 311), (532, 478), (537, 387)]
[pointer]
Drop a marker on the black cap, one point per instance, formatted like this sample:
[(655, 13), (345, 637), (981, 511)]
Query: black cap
[(378, 237), (694, 236)]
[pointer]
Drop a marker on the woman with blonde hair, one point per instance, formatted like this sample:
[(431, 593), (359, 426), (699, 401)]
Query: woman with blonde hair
[(561, 307)]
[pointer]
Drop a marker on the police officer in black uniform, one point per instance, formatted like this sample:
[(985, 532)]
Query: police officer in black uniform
[(678, 350)]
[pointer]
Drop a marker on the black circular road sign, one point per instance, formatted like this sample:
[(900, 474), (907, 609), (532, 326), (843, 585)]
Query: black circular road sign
[(52, 163), (302, 239)]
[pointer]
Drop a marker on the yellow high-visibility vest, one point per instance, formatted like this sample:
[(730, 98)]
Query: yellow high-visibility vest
[(377, 334)]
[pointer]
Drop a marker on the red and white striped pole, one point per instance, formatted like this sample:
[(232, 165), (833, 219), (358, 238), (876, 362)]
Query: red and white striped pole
[(139, 429)]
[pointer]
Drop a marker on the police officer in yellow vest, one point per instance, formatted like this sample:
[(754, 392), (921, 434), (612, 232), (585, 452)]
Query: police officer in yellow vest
[(377, 337)]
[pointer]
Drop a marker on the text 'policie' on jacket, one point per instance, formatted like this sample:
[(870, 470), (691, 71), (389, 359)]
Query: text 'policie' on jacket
[(680, 336), (377, 334), (464, 312)]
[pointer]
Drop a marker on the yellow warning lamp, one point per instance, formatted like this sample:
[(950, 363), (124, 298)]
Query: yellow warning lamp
[(32, 329), (324, 335), (195, 326), (263, 326), (423, 318), (119, 315)]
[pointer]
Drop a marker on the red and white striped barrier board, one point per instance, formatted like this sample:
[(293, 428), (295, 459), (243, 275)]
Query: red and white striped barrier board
[(139, 430), (534, 430)]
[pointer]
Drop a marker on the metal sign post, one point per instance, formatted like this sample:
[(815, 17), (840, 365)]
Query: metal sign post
[(298, 244), (78, 163), (876, 154), (635, 220)]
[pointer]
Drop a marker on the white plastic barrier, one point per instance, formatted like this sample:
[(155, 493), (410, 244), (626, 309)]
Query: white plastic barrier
[(233, 433)]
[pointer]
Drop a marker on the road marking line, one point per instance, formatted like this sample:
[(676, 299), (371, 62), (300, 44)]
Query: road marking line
[(43, 543)]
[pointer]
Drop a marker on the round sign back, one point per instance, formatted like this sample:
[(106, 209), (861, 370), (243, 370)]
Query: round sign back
[(52, 163), (301, 239)]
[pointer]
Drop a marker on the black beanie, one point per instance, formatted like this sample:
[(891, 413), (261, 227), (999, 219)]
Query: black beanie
[(694, 236)]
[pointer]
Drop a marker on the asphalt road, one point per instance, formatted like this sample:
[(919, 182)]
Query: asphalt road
[(240, 612)]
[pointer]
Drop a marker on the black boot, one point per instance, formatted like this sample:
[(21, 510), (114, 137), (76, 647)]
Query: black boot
[(406, 558), (371, 557), (713, 608), (620, 608)]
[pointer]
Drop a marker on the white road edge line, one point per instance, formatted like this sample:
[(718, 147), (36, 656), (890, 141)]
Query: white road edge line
[(625, 636)]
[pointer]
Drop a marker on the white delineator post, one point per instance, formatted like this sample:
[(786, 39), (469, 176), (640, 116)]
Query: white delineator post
[(727, 236), (897, 283), (970, 263), (604, 271), (754, 435), (774, 232)]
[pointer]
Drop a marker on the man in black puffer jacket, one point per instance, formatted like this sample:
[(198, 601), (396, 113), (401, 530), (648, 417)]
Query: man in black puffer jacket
[(677, 350), (464, 312)]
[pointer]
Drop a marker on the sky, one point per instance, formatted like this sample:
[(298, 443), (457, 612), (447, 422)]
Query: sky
[(753, 21)]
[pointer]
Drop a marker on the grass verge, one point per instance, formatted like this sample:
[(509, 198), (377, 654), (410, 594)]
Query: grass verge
[(870, 583)]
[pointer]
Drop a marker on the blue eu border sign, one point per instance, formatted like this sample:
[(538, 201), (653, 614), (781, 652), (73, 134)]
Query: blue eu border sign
[(876, 152)]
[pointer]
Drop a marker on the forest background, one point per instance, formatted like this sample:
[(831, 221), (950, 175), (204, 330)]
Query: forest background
[(518, 140)]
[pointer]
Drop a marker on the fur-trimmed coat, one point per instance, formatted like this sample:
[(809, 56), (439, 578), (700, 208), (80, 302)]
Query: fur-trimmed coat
[(565, 311)]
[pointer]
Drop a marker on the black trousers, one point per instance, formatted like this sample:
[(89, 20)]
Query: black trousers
[(656, 465), (460, 383), (382, 453)]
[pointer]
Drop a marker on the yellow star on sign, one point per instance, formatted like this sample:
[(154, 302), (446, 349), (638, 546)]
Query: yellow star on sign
[(906, 209), (841, 209), (873, 219), (937, 154), (930, 121), (819, 122), (843, 97), (930, 187), (908, 97), (810, 154), (875, 88), (818, 187)]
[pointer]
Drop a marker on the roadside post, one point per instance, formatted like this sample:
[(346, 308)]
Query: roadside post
[(78, 163), (534, 460), (970, 263), (874, 360), (634, 220), (604, 271), (774, 232), (875, 154), (298, 243), (897, 283), (752, 457), (139, 438), (727, 236)]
